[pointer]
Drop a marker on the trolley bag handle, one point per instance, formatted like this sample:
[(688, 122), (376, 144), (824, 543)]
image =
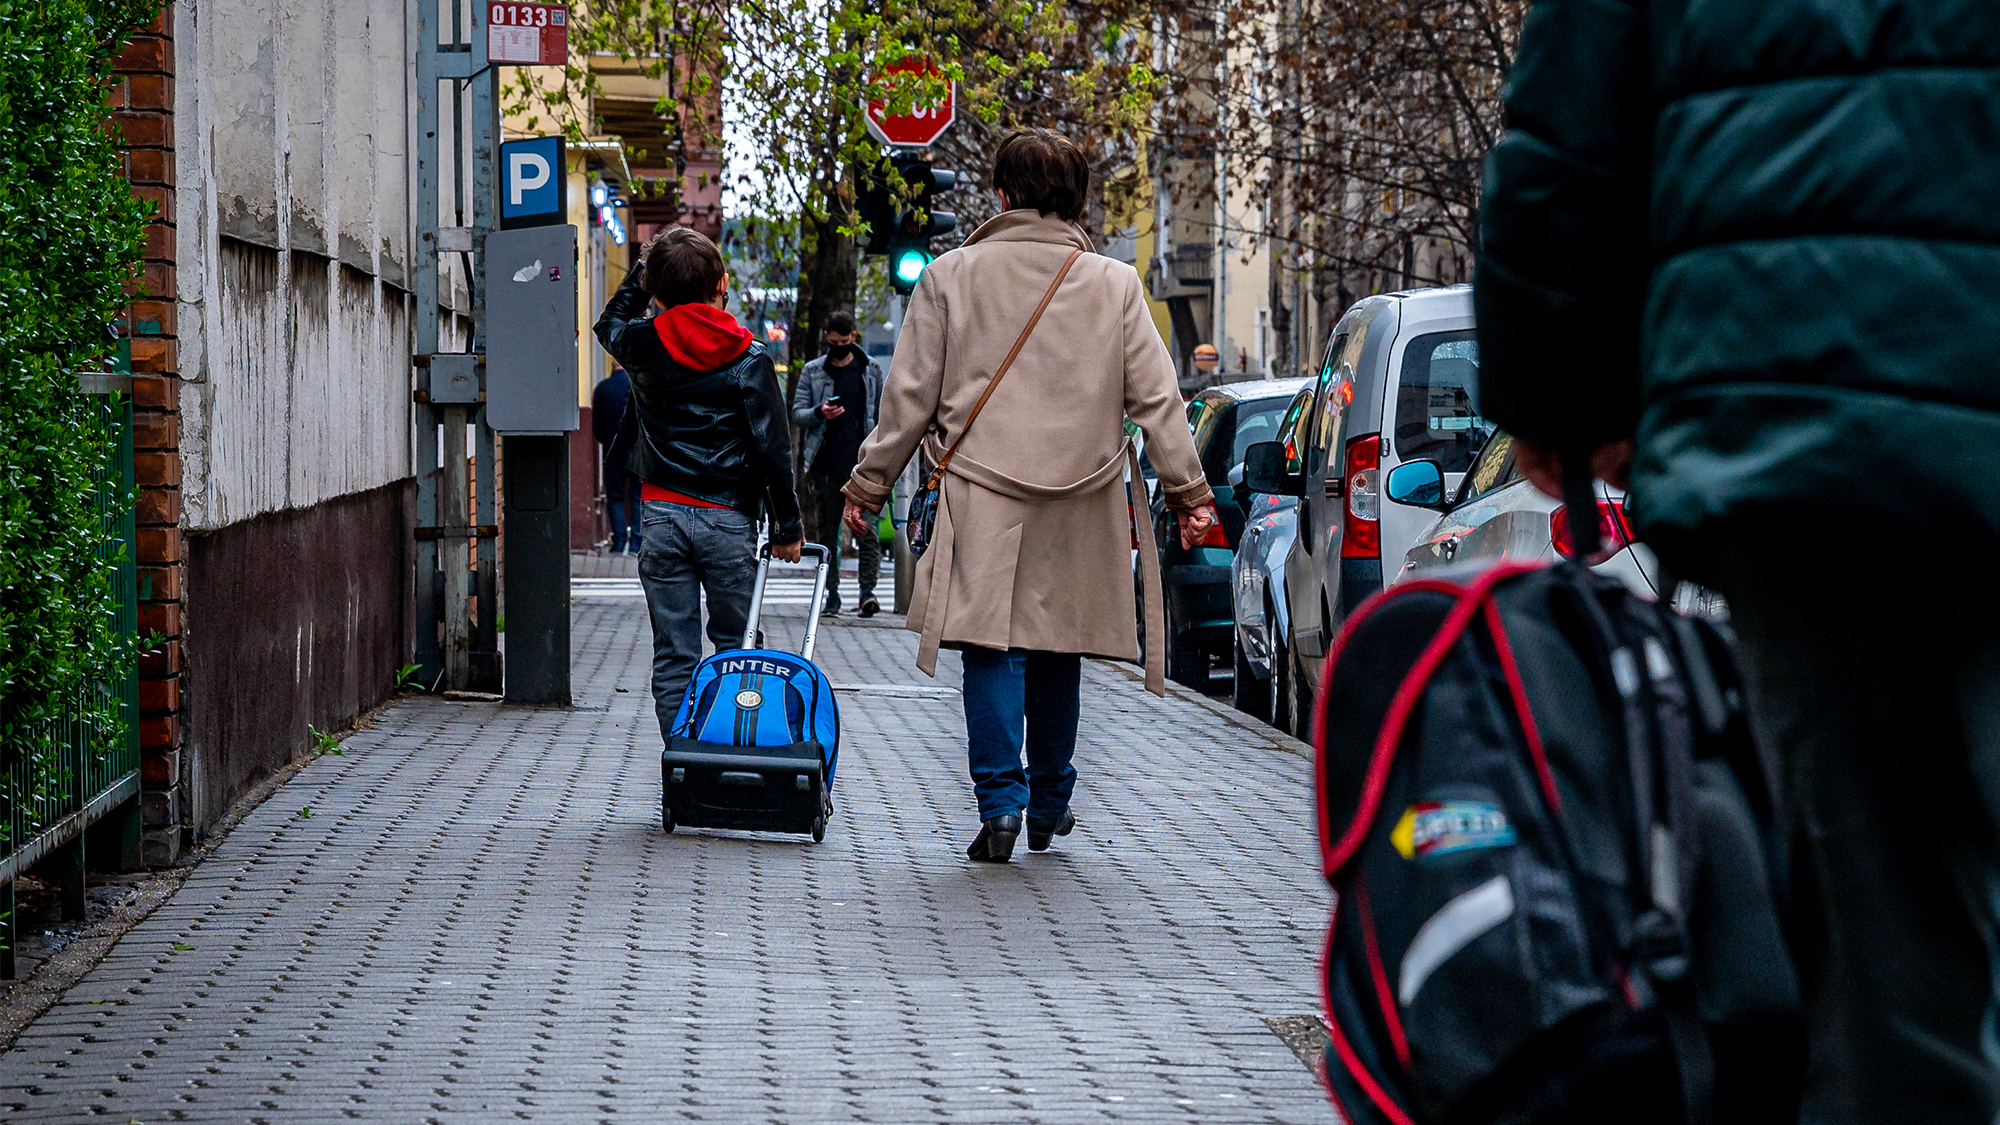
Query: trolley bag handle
[(937, 474), (817, 551)]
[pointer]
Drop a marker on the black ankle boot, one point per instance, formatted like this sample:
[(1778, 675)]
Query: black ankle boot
[(995, 842), (1041, 832)]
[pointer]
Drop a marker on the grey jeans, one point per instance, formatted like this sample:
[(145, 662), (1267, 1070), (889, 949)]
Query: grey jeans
[(685, 552)]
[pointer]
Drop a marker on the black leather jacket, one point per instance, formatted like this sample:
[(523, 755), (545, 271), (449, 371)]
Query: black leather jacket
[(714, 435)]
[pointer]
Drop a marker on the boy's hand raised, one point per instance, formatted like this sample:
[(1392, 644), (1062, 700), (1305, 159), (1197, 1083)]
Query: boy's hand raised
[(787, 552)]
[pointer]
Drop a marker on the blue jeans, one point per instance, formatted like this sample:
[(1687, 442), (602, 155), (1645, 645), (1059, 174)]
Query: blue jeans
[(1005, 692), (621, 503), (687, 551)]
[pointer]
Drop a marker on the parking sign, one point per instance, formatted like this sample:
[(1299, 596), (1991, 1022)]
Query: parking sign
[(532, 183)]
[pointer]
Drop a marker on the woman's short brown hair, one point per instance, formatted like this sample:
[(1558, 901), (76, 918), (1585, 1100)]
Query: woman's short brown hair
[(682, 267), (1042, 169)]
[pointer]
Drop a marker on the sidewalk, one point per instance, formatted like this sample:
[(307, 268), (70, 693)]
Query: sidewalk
[(481, 920)]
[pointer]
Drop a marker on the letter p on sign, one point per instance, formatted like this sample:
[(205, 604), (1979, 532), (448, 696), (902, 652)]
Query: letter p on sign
[(526, 171), (532, 179)]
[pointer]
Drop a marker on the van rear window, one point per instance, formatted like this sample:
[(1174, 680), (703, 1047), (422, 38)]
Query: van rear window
[(1434, 413)]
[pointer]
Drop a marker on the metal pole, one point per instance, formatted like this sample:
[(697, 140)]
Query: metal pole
[(488, 669), (453, 78), (537, 537), (455, 518), (484, 671), (429, 660), (8, 932)]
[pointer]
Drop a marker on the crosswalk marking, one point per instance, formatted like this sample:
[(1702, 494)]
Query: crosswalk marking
[(779, 591), (793, 588)]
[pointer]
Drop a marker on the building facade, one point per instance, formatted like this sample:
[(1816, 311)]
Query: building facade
[(271, 381)]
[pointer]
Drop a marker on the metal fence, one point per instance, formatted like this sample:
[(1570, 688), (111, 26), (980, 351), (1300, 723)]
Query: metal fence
[(79, 768)]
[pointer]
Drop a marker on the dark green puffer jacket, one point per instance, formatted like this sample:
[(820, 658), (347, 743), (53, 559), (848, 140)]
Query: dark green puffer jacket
[(1765, 236)]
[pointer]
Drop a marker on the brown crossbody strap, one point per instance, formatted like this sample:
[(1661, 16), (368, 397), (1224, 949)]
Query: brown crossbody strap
[(937, 474)]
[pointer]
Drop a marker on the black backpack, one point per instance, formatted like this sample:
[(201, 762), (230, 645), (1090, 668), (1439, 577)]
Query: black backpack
[(1556, 860)]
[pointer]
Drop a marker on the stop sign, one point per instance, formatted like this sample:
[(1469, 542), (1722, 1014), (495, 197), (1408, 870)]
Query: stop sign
[(923, 124)]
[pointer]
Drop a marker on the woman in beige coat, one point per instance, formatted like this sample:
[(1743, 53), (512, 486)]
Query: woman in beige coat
[(1030, 566)]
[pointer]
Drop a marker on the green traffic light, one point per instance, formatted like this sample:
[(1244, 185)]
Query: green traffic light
[(909, 265)]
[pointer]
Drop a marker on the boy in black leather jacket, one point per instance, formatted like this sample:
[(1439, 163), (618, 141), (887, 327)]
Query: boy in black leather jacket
[(707, 432)]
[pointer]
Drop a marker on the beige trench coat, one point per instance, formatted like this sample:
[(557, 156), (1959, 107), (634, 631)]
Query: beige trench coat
[(1033, 543)]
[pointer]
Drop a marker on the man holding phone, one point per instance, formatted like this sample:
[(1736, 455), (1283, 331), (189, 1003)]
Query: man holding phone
[(834, 408)]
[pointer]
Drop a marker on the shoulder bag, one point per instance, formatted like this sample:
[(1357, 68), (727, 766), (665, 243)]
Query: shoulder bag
[(924, 505)]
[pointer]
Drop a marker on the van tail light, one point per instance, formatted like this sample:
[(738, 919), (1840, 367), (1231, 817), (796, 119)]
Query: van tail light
[(1613, 531), (1361, 530)]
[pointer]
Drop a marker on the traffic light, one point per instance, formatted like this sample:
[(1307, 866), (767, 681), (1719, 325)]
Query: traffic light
[(902, 228), (918, 222), (907, 263), (874, 206)]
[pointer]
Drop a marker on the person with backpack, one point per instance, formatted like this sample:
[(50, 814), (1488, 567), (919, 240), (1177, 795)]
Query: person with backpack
[(621, 489), (1048, 348), (834, 408), (706, 432), (1740, 259)]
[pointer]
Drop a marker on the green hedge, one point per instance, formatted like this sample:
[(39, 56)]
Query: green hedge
[(71, 237)]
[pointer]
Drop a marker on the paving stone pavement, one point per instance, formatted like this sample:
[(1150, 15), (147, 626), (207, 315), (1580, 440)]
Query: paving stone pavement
[(482, 921)]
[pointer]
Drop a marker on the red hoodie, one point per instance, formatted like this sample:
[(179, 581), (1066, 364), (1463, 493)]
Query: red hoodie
[(701, 338)]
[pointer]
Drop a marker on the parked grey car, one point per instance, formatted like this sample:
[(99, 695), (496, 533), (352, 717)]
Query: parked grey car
[(1396, 385), (1226, 420), (1257, 578), (1496, 513)]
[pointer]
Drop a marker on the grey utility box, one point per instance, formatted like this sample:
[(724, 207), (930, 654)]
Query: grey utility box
[(531, 330), (454, 378)]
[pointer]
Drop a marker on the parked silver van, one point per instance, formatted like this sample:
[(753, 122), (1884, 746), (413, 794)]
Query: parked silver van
[(1397, 384)]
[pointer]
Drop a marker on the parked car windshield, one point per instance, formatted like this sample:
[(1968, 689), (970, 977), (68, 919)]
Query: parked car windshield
[(1434, 413), (1493, 468), (1255, 422), (1292, 431), (1226, 429)]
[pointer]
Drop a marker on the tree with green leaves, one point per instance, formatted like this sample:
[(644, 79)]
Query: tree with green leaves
[(794, 77), (71, 236)]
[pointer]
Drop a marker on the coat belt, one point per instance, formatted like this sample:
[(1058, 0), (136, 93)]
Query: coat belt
[(987, 477)]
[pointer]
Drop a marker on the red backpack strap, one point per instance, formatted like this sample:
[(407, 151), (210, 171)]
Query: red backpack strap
[(1471, 598)]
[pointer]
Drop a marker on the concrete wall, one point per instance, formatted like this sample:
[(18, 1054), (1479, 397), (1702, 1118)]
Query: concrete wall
[(291, 206), (294, 619), (294, 224)]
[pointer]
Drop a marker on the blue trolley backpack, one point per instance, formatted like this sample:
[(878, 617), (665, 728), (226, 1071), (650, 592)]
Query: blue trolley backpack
[(754, 743)]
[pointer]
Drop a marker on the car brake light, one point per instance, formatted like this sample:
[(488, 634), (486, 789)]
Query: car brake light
[(1614, 532), (1361, 531)]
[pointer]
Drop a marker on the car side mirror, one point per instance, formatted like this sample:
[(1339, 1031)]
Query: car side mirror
[(1239, 493), (1417, 483), (1264, 471)]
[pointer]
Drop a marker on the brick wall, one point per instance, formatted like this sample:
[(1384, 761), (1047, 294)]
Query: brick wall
[(142, 107)]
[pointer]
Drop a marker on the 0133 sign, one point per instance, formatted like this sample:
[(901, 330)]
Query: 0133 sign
[(527, 34)]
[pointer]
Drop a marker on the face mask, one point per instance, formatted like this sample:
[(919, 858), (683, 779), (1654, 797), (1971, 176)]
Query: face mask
[(846, 354)]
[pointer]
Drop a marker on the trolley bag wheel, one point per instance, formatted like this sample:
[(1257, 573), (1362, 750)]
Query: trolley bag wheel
[(666, 814), (819, 829)]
